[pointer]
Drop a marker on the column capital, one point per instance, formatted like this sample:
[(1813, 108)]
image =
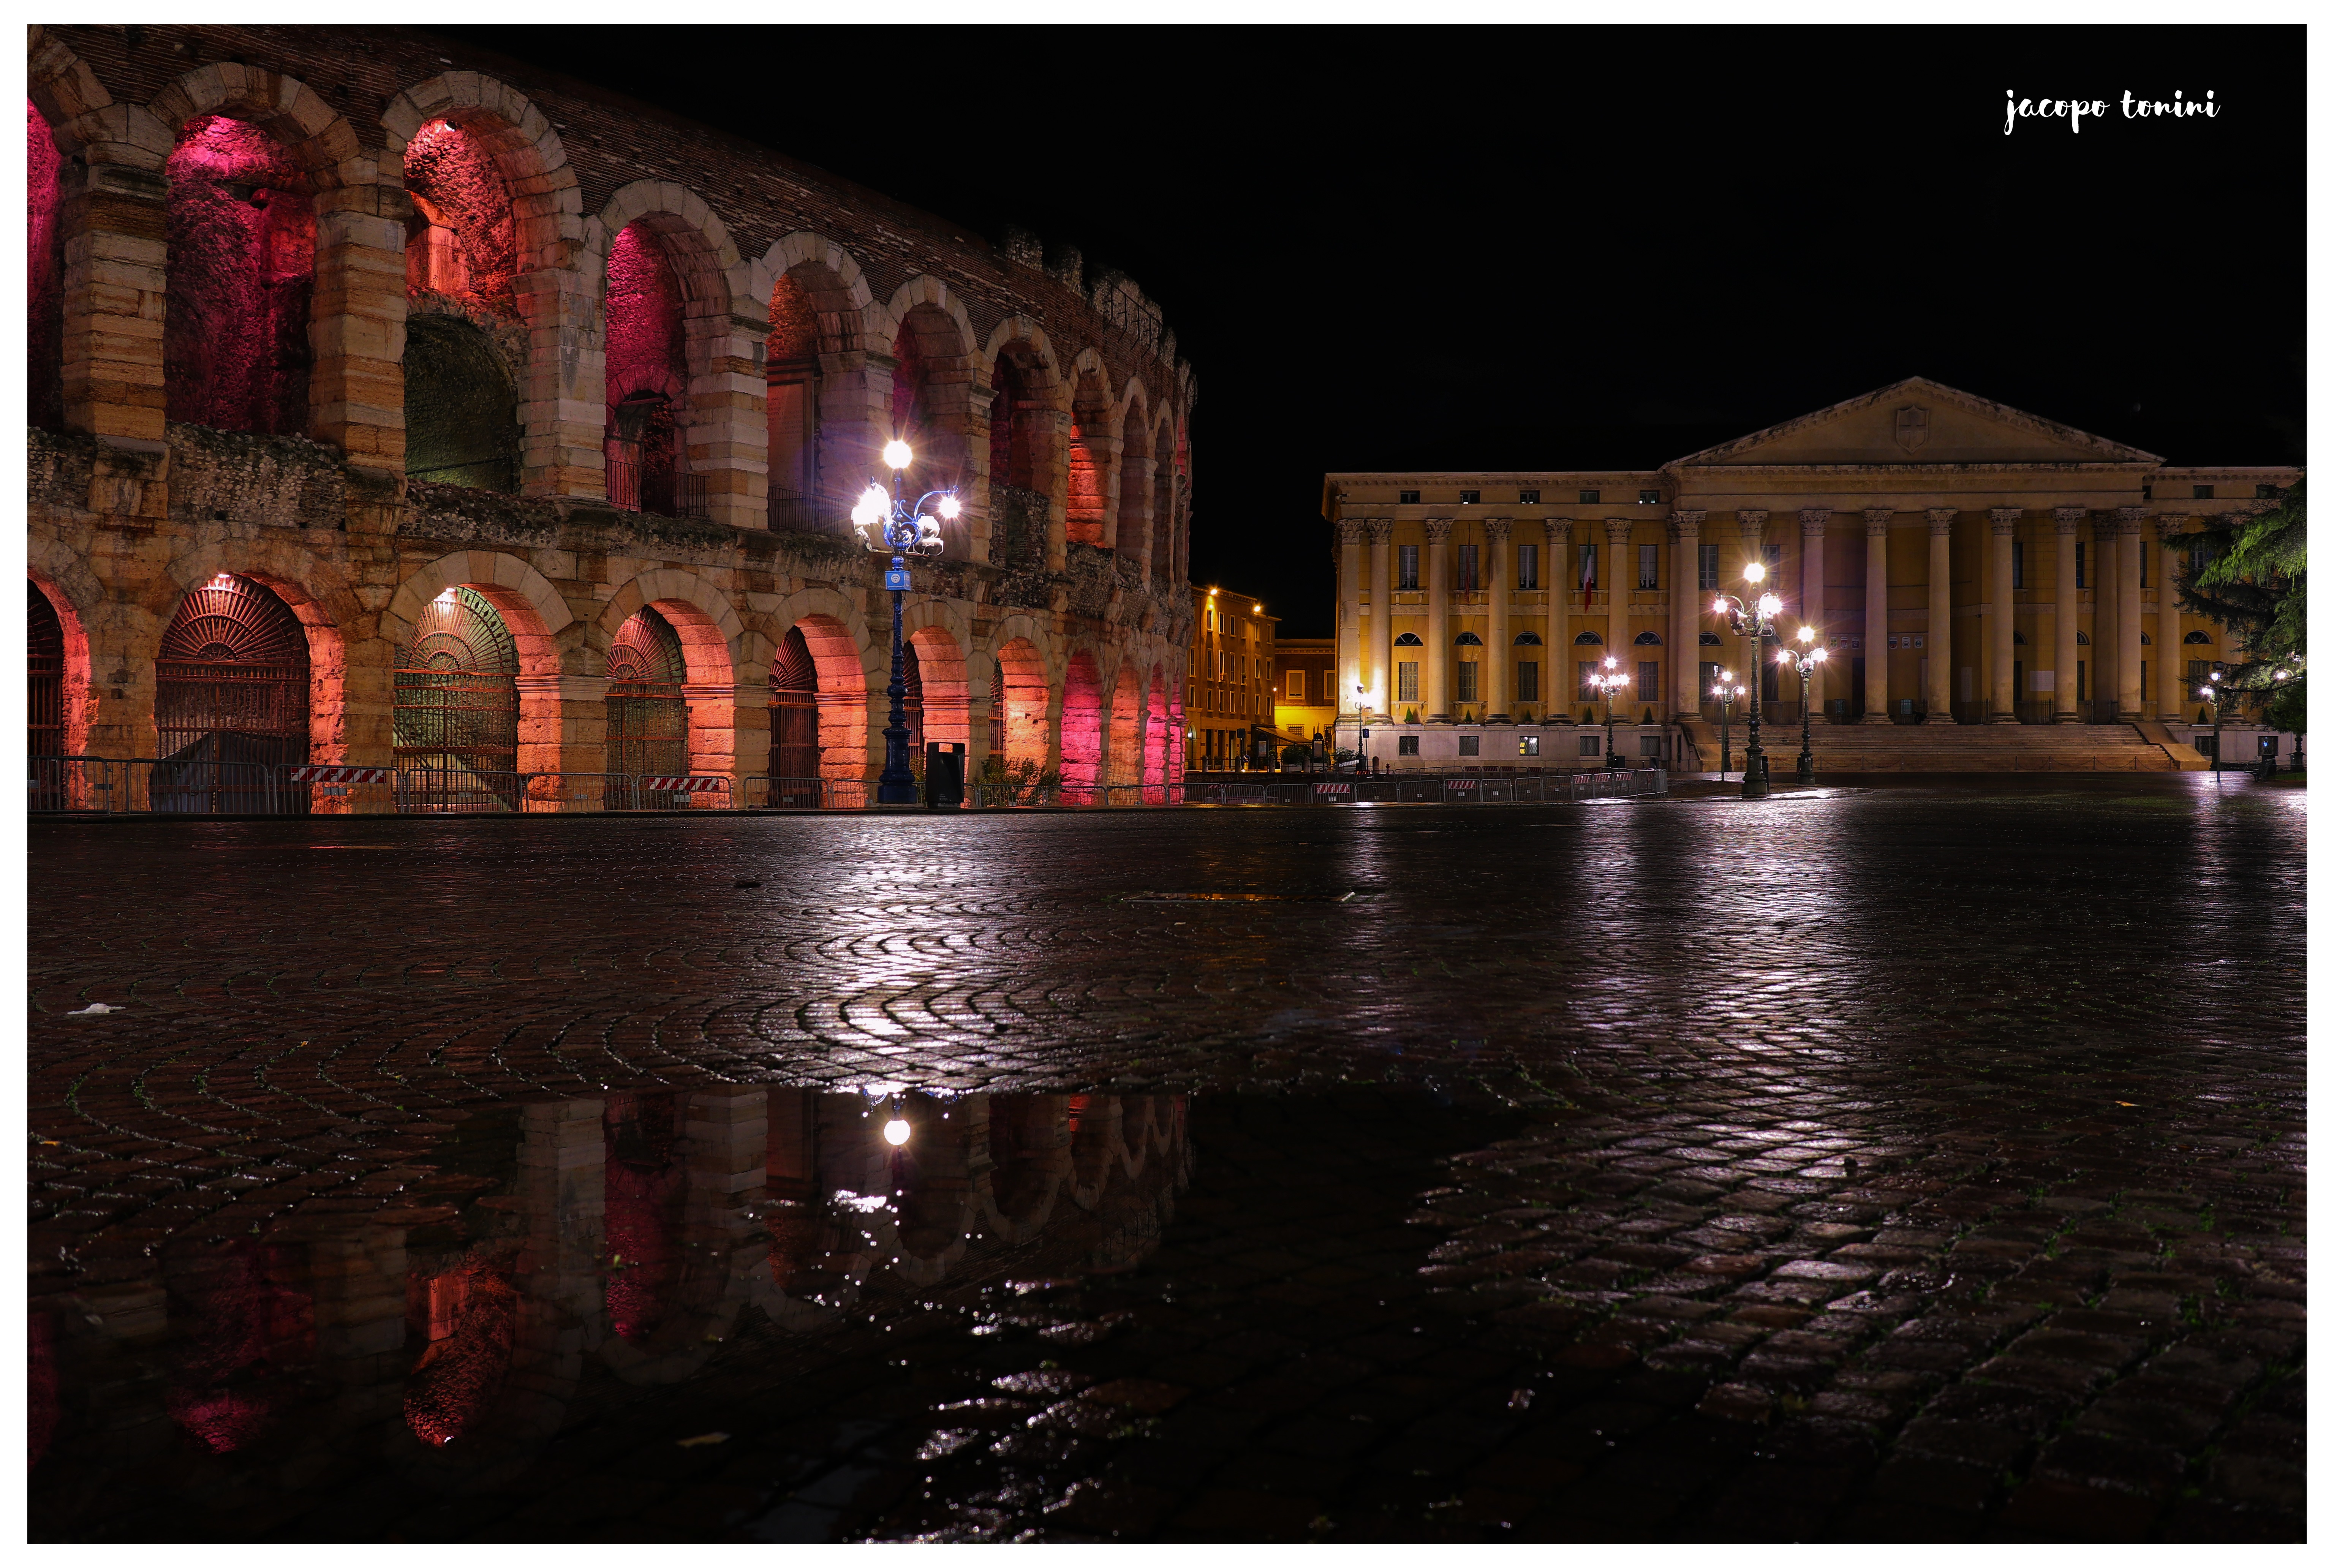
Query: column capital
[(2005, 518), (2171, 525), (1438, 530), (1349, 530), (2128, 518), (2069, 518), (1685, 526), (1381, 530), (1751, 520), (1815, 520), (1687, 517), (1941, 521), (1618, 529), (1876, 522), (1496, 529), (1559, 529)]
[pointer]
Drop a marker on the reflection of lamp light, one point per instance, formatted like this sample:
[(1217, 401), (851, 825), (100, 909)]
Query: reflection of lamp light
[(895, 1131)]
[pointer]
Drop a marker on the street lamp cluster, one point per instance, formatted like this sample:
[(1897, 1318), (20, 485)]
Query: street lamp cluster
[(1611, 681), (1755, 619), (886, 523)]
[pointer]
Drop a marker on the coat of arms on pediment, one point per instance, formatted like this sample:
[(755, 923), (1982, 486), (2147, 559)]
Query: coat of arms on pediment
[(1912, 428)]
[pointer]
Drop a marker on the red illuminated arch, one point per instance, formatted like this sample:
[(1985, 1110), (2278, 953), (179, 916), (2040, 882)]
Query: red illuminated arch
[(1127, 726), (1082, 729)]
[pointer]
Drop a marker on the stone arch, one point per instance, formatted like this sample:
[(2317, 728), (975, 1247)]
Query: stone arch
[(932, 400), (60, 84), (546, 203), (710, 635), (1027, 462), (935, 635), (71, 677), (1163, 502), (1020, 697), (1128, 719), (324, 616), (533, 613), (45, 344), (461, 404), (1089, 508), (1081, 728), (848, 684), (688, 311), (318, 139), (814, 380)]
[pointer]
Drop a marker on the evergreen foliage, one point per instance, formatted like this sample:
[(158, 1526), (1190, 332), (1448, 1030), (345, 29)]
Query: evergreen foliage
[(2250, 581)]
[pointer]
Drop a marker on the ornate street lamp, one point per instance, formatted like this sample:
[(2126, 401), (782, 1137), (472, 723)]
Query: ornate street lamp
[(1612, 680), (1804, 659), (2213, 691), (1726, 694), (886, 524), (1758, 621)]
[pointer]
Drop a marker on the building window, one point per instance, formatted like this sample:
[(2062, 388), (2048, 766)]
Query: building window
[(1464, 688), (1297, 685), (1588, 497), (1709, 559), (1406, 498), (1649, 497), (1528, 680), (1649, 566), (2081, 560), (2195, 559), (2018, 564), (1774, 555), (1405, 681), (1649, 745), (1409, 578), (1649, 679), (1471, 497), (2264, 492), (1588, 567), (1405, 745), (1527, 566), (2147, 491), (1528, 497), (1592, 745), (1467, 582), (1528, 745), (2203, 493), (1470, 746)]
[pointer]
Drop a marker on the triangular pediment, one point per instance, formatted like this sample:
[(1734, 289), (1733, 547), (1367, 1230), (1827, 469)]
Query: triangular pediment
[(1919, 422)]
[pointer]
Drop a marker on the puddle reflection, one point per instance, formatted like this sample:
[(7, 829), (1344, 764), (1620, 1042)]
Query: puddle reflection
[(546, 1246)]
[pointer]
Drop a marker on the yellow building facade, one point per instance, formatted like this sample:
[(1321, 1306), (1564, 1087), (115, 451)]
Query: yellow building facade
[(1230, 685), (1305, 703), (1964, 561)]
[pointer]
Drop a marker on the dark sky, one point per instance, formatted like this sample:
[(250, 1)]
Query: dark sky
[(1521, 248)]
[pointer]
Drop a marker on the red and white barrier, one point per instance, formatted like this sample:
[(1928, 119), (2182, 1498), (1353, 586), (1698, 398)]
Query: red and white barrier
[(687, 783), (339, 775)]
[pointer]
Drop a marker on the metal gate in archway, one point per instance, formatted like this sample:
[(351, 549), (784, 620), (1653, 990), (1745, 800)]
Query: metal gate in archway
[(457, 718), (793, 718), (648, 720), (230, 701)]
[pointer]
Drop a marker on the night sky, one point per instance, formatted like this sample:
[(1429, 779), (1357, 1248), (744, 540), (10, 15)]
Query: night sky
[(1500, 248)]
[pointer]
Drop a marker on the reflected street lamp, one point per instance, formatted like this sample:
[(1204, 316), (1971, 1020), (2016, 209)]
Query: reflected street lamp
[(1612, 680), (886, 524), (1805, 658), (1756, 620), (1726, 694)]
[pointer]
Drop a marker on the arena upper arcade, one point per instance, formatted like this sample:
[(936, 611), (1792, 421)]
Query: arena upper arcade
[(395, 403)]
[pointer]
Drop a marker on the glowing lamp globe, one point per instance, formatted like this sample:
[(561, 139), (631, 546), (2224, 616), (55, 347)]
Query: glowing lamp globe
[(1821, 654), (950, 507), (896, 455), (1807, 634), (875, 506), (1753, 572), (895, 1132), (1769, 605)]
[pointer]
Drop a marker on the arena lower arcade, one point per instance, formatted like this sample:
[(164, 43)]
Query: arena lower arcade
[(394, 404)]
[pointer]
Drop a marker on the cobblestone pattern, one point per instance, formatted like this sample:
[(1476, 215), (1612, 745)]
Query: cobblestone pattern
[(2057, 1292)]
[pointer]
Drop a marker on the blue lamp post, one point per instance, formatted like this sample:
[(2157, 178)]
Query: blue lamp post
[(886, 524)]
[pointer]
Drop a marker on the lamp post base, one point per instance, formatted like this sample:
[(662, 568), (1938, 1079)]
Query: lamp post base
[(896, 786)]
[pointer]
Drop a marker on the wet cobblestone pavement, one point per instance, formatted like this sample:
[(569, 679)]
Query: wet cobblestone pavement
[(1917, 1163)]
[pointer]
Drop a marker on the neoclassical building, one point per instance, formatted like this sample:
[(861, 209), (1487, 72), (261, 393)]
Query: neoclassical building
[(1965, 562), (396, 404)]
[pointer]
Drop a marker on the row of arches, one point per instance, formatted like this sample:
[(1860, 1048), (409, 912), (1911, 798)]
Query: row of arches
[(249, 671), (745, 390)]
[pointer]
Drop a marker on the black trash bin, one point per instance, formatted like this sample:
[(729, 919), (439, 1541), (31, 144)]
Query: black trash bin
[(943, 774)]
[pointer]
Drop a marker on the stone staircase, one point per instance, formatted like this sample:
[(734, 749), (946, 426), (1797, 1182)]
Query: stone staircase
[(1956, 749)]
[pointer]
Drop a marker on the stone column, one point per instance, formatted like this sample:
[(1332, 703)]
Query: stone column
[(1500, 657), (1940, 637), (1751, 523), (563, 402), (1350, 654), (1619, 572), (728, 433), (1563, 691), (2171, 653), (1686, 617), (112, 206), (1813, 522), (2103, 611), (562, 723), (2002, 618), (2129, 544), (356, 324), (1876, 616), (2063, 596), (1381, 676), (1438, 620)]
